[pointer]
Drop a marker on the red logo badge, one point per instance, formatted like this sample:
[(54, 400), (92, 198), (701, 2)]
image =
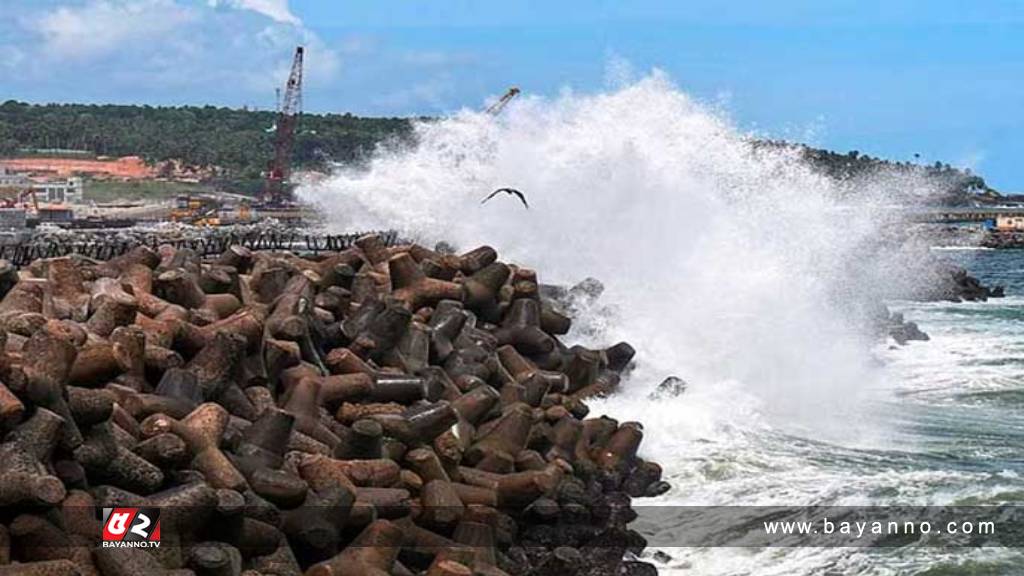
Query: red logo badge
[(131, 527)]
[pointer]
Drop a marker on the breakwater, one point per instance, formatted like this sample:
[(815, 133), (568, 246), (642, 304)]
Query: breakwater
[(1003, 239), (374, 410), (203, 241)]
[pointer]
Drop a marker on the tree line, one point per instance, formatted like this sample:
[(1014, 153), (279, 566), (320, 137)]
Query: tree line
[(240, 142), (947, 184)]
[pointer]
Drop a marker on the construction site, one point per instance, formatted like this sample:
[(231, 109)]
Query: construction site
[(73, 189), (52, 189)]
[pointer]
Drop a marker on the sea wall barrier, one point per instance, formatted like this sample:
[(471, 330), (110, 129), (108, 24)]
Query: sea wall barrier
[(369, 411), (101, 247)]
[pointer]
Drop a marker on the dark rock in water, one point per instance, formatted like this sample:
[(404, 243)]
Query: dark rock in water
[(553, 292), (584, 293), (947, 281), (905, 332), (657, 489), (669, 388), (894, 325), (643, 477), (660, 556), (638, 569), (588, 289)]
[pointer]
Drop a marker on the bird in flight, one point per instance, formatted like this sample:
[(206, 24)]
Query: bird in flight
[(509, 191)]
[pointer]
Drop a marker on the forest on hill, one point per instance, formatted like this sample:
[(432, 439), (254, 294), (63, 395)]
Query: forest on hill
[(941, 183), (240, 142)]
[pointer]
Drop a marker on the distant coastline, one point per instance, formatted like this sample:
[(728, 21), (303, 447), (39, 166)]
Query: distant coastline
[(233, 144)]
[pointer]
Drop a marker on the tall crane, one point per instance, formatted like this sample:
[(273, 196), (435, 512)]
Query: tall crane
[(495, 109), (274, 190)]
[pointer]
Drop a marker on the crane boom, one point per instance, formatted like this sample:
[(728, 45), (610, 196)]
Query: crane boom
[(274, 191), (495, 109)]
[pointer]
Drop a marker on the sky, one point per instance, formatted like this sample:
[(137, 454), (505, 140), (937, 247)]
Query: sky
[(940, 78)]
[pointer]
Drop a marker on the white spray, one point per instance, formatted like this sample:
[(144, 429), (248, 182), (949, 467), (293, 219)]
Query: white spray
[(726, 264), (723, 260)]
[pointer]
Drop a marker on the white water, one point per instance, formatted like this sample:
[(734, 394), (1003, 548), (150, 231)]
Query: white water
[(723, 265)]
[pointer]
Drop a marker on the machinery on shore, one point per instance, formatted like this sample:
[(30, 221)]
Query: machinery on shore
[(19, 200), (196, 210), (497, 107), (276, 193)]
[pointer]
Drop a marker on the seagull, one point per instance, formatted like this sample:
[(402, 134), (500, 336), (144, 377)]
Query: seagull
[(508, 191)]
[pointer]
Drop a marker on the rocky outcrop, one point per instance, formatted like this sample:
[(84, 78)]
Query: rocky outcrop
[(949, 282)]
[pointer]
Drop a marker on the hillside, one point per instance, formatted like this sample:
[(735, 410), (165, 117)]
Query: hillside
[(241, 142), (954, 187)]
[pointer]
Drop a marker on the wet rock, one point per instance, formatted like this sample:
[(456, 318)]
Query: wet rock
[(670, 387)]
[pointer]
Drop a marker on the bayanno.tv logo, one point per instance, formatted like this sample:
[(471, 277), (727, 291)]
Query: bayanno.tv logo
[(131, 527)]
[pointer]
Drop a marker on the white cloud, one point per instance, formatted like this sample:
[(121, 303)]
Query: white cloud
[(278, 43), (230, 52), (276, 10), (104, 26), (168, 48)]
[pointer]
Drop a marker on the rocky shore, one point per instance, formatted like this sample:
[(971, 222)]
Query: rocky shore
[(949, 282), (368, 411), (898, 328), (1004, 239)]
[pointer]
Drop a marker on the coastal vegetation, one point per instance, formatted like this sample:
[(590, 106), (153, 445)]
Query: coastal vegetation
[(239, 143), (946, 184)]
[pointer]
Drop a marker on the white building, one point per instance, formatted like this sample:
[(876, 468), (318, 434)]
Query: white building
[(63, 191), (56, 191), (12, 180)]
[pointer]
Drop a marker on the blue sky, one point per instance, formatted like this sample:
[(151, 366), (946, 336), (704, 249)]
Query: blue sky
[(941, 78)]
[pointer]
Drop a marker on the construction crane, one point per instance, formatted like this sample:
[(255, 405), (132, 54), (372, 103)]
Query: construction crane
[(497, 107), (275, 191), (19, 199)]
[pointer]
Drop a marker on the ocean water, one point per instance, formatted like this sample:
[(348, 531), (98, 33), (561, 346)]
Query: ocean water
[(948, 431), (743, 272)]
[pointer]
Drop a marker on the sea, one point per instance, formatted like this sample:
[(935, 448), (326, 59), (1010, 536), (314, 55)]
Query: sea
[(742, 271)]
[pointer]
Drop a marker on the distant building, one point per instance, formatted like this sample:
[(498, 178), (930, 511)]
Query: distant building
[(12, 218), (12, 180), (990, 217), (1010, 221), (65, 190)]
